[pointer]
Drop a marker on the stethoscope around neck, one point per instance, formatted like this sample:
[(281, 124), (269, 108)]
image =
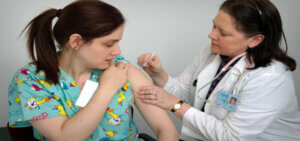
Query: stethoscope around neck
[(225, 68)]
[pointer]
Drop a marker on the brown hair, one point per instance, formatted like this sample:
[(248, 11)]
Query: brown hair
[(254, 17), (89, 18)]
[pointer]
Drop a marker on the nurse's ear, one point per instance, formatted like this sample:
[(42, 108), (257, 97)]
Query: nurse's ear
[(75, 41), (255, 40)]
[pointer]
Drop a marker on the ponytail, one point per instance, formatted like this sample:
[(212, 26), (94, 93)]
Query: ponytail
[(41, 46), (77, 17)]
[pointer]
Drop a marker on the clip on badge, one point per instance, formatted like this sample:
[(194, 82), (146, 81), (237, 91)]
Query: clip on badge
[(227, 101), (88, 90)]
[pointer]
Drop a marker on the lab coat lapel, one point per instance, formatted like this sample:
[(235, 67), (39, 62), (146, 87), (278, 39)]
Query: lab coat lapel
[(204, 77), (232, 76)]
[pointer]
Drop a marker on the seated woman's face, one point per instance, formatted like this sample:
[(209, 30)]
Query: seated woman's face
[(100, 51), (225, 38)]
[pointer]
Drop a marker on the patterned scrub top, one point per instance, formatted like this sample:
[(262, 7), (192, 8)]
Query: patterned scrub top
[(30, 97)]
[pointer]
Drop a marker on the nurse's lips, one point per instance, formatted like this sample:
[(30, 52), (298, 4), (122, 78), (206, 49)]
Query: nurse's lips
[(213, 44)]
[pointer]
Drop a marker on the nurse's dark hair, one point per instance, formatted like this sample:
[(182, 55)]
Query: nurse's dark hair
[(253, 17), (88, 18)]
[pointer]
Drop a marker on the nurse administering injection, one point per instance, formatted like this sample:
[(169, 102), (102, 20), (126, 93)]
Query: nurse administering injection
[(240, 87)]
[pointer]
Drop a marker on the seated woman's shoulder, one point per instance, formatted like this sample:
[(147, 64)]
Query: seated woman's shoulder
[(28, 72)]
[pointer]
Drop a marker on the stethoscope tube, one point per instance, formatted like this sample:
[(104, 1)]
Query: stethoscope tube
[(225, 68)]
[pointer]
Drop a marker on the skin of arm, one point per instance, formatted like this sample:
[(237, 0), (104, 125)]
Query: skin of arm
[(157, 118), (161, 79), (165, 101)]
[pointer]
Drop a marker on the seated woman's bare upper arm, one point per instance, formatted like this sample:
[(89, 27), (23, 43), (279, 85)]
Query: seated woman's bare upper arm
[(156, 117)]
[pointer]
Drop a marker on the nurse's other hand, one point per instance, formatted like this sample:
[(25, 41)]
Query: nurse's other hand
[(157, 96), (114, 77), (153, 67)]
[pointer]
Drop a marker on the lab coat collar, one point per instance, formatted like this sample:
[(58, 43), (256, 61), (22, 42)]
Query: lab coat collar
[(240, 66)]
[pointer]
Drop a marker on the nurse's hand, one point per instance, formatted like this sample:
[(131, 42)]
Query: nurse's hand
[(114, 77), (153, 67), (157, 96)]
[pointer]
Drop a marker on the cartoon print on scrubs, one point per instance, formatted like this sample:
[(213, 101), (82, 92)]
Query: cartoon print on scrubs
[(121, 98), (31, 97), (32, 103), (115, 119)]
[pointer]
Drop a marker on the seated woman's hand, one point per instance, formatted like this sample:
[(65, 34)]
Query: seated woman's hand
[(114, 77), (157, 96)]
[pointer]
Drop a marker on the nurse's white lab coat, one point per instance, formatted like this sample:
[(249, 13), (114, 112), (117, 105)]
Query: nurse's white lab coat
[(267, 110)]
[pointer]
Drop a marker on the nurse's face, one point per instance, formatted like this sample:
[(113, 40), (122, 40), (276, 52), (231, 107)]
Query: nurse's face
[(225, 39), (100, 51)]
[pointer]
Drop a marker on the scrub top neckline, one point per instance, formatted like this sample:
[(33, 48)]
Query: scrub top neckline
[(66, 77)]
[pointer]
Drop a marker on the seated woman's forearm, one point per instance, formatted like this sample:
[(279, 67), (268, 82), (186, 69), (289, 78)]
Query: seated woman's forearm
[(86, 120), (81, 125)]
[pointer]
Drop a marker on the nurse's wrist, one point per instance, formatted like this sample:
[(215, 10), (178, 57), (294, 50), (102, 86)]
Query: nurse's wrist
[(176, 106), (160, 79), (173, 100), (180, 112)]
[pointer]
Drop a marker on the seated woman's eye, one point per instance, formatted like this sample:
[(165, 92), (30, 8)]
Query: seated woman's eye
[(109, 45)]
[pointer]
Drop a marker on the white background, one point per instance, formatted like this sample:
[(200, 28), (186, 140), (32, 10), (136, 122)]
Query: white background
[(175, 29)]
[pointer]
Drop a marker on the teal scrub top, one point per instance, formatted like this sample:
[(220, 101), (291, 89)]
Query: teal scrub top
[(30, 97)]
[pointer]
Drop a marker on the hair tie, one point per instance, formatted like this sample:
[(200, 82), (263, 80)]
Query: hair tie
[(58, 12), (259, 11)]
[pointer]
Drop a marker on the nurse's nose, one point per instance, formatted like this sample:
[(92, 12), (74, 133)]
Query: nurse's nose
[(212, 35)]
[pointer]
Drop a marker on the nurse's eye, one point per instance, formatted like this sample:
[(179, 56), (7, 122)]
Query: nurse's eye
[(223, 34)]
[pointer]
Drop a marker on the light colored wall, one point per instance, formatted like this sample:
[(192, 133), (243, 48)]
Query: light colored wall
[(175, 29)]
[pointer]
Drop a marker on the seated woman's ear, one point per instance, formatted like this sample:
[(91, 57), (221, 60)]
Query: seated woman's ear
[(75, 41)]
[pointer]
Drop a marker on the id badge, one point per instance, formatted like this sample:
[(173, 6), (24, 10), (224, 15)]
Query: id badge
[(87, 92), (221, 100), (232, 102), (229, 102)]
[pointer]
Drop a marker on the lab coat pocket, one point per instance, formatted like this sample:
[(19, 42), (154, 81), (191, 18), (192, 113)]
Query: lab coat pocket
[(218, 111)]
